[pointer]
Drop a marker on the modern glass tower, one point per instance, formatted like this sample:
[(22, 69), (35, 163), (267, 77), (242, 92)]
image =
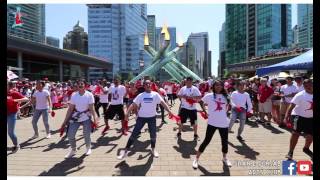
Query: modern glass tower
[(33, 19), (200, 42), (115, 33), (76, 40), (53, 41), (305, 25), (255, 29), (152, 29)]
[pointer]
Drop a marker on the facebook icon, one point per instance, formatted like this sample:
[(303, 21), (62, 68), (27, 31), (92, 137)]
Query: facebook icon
[(289, 168)]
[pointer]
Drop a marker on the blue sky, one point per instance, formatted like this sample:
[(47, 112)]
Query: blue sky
[(187, 18)]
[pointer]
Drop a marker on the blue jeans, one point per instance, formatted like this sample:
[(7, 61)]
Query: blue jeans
[(73, 128), (152, 125), (45, 116), (11, 121), (242, 117)]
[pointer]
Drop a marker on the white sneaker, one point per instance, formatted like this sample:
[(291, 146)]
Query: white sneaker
[(48, 136), (195, 164), (88, 151), (155, 153), (123, 154), (227, 162), (70, 153), (34, 136)]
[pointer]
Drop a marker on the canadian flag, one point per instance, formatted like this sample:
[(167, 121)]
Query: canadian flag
[(11, 75)]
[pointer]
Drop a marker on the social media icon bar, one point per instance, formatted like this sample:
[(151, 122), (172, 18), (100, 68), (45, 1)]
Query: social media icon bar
[(304, 167), (289, 168)]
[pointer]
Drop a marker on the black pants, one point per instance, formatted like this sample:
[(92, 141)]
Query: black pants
[(209, 133), (162, 112), (97, 104), (170, 98)]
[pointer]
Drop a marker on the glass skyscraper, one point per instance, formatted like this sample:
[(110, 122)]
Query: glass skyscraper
[(152, 30), (305, 25), (200, 43), (115, 33), (33, 19), (255, 29)]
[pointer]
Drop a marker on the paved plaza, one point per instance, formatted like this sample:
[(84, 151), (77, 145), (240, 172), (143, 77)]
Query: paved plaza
[(45, 157)]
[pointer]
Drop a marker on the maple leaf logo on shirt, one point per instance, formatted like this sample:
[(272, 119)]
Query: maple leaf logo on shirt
[(311, 106), (219, 105)]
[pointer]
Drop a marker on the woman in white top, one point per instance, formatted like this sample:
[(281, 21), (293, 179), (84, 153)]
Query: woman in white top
[(146, 104), (217, 102), (81, 108)]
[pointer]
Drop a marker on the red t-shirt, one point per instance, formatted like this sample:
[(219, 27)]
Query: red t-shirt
[(13, 107), (69, 92), (265, 93)]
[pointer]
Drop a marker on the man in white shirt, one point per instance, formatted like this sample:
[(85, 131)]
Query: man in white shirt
[(146, 104), (116, 93), (301, 111), (298, 79), (43, 107), (80, 110), (287, 92), (189, 96), (240, 105)]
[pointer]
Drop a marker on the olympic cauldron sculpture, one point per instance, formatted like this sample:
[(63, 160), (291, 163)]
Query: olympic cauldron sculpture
[(165, 59)]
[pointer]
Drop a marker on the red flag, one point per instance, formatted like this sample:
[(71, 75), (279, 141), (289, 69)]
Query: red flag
[(289, 123), (239, 109), (53, 113), (61, 131), (249, 114), (190, 101), (204, 115), (175, 117)]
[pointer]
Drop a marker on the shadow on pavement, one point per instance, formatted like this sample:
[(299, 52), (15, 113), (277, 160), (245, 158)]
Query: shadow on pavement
[(105, 141), (226, 171), (138, 170), (186, 148), (253, 124), (138, 146), (245, 150), (63, 168), (63, 143), (273, 130), (28, 142)]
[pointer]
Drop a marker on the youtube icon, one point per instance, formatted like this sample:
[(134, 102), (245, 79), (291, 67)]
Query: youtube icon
[(304, 167)]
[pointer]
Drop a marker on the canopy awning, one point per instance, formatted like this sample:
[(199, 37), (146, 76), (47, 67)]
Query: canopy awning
[(303, 61)]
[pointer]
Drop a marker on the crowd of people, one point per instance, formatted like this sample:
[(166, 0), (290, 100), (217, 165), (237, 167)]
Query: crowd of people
[(287, 103)]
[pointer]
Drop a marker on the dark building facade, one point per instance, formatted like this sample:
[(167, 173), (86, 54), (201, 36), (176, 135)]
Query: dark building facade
[(76, 40), (254, 29), (52, 41)]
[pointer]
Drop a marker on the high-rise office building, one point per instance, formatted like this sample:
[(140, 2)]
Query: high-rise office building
[(152, 30), (116, 33), (76, 40), (222, 49), (295, 36), (305, 25), (29, 23), (52, 41), (255, 29), (200, 43)]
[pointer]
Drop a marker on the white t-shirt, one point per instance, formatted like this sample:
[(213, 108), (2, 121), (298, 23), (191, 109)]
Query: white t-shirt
[(47, 86), (193, 92), (82, 104), (300, 88), (117, 94), (304, 104), (240, 99), (288, 90), (217, 110), (168, 88), (41, 99), (147, 103), (104, 95)]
